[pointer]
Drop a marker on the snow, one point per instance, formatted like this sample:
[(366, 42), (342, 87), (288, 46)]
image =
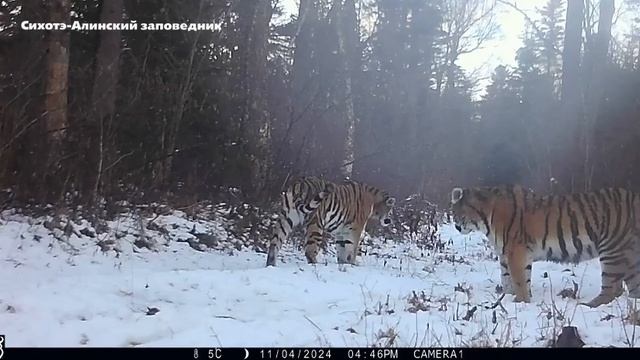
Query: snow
[(63, 290)]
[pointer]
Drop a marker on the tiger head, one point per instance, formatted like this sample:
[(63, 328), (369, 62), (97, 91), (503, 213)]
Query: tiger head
[(382, 210), (468, 207)]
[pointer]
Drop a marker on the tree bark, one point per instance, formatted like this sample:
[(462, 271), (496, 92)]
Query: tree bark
[(601, 47), (106, 78), (571, 52), (57, 72), (595, 90), (107, 60), (571, 94), (56, 98), (256, 122), (346, 28), (172, 128)]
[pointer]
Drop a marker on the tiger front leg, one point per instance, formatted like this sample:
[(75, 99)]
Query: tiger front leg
[(520, 270), (505, 277), (281, 230), (287, 220), (344, 248), (314, 237), (356, 236), (347, 246)]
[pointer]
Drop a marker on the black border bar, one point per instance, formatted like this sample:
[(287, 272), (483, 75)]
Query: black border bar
[(295, 353)]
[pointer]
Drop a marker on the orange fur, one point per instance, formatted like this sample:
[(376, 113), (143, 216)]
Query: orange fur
[(525, 227)]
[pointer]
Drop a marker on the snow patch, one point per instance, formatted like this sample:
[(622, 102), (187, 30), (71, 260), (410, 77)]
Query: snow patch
[(400, 294)]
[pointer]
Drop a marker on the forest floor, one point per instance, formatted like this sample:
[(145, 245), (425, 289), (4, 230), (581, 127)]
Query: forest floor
[(58, 288)]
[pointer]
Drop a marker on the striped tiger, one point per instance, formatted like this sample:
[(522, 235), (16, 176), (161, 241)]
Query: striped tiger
[(343, 213), (524, 227), (300, 199)]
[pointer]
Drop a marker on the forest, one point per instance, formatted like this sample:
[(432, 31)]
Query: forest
[(144, 146), (371, 90)]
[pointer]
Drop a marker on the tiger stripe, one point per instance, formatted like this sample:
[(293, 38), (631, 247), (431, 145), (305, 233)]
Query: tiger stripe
[(344, 214), (525, 227), (342, 211), (300, 199)]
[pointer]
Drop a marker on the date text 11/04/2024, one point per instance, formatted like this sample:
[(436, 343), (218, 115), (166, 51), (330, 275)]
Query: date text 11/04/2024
[(319, 354), (330, 353), (358, 354)]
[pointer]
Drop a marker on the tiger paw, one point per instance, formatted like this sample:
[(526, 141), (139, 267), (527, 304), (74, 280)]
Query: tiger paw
[(598, 300), (507, 289), (635, 293), (271, 260), (524, 299), (350, 262), (589, 304)]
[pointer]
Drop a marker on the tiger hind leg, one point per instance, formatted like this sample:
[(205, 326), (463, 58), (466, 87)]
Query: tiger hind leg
[(314, 237), (520, 270), (282, 228), (632, 277), (614, 269), (505, 277)]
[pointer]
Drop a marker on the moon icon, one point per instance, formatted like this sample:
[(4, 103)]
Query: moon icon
[(246, 354)]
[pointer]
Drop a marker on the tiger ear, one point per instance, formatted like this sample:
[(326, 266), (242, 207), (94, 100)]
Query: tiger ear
[(391, 201), (456, 195)]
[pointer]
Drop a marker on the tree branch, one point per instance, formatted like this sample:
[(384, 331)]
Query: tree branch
[(528, 19)]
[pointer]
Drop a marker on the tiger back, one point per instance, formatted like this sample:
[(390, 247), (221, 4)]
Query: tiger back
[(344, 214), (524, 227)]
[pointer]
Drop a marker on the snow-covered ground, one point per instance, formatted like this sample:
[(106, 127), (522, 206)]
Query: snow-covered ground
[(60, 289)]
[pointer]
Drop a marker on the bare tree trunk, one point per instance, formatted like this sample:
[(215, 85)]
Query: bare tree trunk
[(603, 39), (571, 94), (346, 49), (174, 125), (56, 92), (451, 67), (571, 52), (303, 55), (107, 60), (256, 122), (304, 84), (595, 90), (57, 72), (171, 124), (106, 78)]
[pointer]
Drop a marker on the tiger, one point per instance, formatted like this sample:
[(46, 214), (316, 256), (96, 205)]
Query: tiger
[(300, 199), (524, 227), (343, 213)]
